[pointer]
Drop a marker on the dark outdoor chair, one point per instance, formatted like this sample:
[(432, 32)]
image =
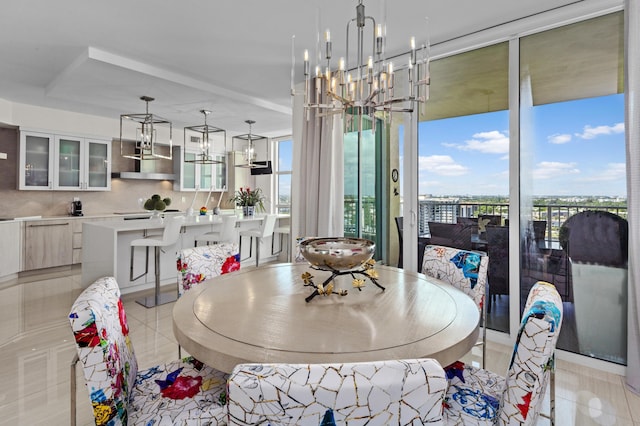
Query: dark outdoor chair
[(596, 243), (596, 237), (494, 219), (422, 243), (498, 251), (452, 234)]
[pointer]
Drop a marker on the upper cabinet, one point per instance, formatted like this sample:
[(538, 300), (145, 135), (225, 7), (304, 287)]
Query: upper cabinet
[(65, 163), (36, 161), (192, 176)]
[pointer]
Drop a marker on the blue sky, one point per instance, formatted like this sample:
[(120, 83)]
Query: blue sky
[(578, 148)]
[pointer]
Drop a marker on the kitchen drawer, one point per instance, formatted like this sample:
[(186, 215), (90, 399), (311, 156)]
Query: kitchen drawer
[(47, 243)]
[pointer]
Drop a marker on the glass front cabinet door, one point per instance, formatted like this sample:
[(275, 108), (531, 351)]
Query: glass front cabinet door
[(82, 164), (66, 163), (192, 176), (98, 165), (36, 161)]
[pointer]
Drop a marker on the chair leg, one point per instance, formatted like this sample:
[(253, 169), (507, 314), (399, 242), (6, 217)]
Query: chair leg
[(552, 393), (156, 252), (258, 241), (73, 385), (484, 330), (146, 267)]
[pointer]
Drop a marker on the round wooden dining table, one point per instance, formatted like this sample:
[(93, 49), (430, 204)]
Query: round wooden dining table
[(260, 315)]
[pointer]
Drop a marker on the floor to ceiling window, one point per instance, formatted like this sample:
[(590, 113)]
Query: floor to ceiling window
[(362, 181), (464, 163), (573, 160), (283, 153)]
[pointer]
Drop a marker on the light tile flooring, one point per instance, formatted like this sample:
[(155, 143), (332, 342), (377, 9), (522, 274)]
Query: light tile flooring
[(36, 350)]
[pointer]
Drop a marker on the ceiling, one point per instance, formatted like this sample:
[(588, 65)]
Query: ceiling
[(231, 57)]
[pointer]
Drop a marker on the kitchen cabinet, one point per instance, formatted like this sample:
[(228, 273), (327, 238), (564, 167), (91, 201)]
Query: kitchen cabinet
[(36, 161), (47, 243), (192, 176), (10, 249), (61, 162)]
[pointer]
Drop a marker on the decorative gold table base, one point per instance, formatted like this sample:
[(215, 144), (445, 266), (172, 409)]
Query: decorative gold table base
[(326, 288)]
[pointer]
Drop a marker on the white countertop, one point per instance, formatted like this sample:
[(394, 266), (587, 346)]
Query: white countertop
[(156, 223)]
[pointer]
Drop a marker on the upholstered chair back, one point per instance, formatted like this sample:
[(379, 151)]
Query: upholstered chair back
[(184, 392), (381, 393), (105, 351), (463, 269), (532, 358), (481, 397), (201, 263)]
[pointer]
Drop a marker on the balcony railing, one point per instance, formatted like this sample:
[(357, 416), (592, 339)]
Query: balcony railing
[(448, 212)]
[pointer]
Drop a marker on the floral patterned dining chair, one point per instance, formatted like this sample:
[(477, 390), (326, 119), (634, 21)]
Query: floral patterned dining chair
[(467, 271), (481, 397), (201, 263), (179, 393), (396, 392)]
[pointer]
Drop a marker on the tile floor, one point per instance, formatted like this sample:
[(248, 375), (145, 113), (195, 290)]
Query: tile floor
[(36, 349)]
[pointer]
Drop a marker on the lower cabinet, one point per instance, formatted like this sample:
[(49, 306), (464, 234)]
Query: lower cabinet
[(9, 249), (47, 243)]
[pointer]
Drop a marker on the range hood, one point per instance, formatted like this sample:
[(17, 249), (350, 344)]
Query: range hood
[(143, 176), (145, 170)]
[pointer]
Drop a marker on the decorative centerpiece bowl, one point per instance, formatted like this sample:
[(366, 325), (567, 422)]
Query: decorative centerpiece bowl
[(337, 254)]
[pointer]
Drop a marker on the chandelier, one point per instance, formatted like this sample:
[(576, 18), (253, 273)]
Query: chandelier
[(148, 128), (202, 136), (249, 148), (364, 87)]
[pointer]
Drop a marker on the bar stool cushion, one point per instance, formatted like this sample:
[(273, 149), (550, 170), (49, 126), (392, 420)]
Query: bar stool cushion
[(180, 392)]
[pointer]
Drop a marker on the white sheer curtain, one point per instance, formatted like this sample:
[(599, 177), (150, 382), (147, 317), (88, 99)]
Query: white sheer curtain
[(632, 122), (317, 187)]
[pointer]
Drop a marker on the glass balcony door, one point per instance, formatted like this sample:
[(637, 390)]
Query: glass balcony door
[(573, 160)]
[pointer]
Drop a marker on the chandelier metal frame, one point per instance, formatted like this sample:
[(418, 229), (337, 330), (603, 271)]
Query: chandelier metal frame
[(204, 131), (146, 135), (248, 140), (368, 87)]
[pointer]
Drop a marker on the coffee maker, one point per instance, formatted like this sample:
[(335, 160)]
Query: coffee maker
[(76, 207)]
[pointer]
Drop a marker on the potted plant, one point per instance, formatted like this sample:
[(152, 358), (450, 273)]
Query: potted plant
[(249, 200), (157, 204)]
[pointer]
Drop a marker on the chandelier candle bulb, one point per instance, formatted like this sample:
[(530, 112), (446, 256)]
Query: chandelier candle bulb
[(306, 63), (327, 39), (379, 40)]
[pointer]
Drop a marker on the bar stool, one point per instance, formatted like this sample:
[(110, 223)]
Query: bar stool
[(227, 232), (170, 236), (282, 230), (265, 230)]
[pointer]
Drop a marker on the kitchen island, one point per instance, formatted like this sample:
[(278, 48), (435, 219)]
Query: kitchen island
[(107, 248)]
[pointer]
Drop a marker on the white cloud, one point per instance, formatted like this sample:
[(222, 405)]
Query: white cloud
[(593, 132), (613, 171), (554, 169), (493, 142), (559, 139), (442, 165)]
